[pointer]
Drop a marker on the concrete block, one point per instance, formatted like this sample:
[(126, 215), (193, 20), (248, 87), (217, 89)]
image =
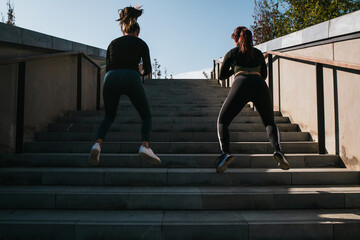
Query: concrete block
[(37, 230), (303, 200), (61, 44), (352, 200), (292, 39), (95, 200), (204, 225), (80, 177), (317, 32), (348, 23), (10, 34), (290, 231), (325, 177), (166, 198), (102, 53), (234, 200), (350, 230), (21, 200), (36, 39), (136, 177), (118, 231), (79, 47), (197, 177), (20, 176), (262, 47), (274, 44), (120, 225), (258, 177)]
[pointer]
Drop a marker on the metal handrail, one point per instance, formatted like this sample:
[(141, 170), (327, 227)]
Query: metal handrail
[(217, 64), (20, 112), (46, 56), (325, 62)]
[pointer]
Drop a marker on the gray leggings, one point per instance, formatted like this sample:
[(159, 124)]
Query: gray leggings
[(124, 82)]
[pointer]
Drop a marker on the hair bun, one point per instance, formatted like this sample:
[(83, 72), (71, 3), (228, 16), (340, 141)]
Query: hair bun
[(129, 14)]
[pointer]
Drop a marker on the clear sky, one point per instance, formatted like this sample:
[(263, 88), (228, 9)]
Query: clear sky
[(183, 35)]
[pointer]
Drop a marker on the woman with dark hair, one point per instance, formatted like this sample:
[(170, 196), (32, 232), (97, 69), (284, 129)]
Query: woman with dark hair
[(248, 65), (122, 77)]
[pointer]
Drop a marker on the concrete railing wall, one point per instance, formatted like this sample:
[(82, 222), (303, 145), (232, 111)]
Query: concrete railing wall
[(50, 84), (295, 83)]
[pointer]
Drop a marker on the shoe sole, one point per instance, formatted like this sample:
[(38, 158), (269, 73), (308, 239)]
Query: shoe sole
[(93, 161), (152, 160), (282, 163), (224, 167)]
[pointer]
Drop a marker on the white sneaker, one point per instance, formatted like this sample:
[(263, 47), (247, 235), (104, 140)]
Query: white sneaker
[(148, 154), (94, 156)]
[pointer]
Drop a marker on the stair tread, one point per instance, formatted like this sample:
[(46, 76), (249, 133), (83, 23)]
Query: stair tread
[(179, 170), (316, 189), (183, 217)]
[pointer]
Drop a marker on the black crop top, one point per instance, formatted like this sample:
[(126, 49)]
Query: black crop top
[(126, 52), (238, 62)]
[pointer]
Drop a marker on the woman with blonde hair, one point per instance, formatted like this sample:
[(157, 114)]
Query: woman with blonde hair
[(123, 78)]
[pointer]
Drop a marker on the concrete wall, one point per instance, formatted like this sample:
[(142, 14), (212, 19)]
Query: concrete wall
[(50, 91), (297, 98), (8, 95), (50, 84), (295, 83)]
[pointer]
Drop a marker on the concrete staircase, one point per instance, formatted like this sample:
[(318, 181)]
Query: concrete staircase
[(50, 192)]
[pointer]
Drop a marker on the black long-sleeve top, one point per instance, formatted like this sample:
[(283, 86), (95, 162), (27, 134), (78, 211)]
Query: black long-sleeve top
[(126, 52), (239, 62)]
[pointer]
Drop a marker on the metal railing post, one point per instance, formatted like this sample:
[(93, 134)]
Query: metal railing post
[(98, 89), (270, 59), (320, 107), (214, 69), (79, 76), (20, 109), (218, 71)]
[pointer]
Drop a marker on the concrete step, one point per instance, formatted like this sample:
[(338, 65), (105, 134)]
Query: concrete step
[(184, 112), (167, 160), (180, 224), (177, 127), (179, 120), (171, 136), (101, 113), (179, 198), (169, 147), (218, 101), (177, 177)]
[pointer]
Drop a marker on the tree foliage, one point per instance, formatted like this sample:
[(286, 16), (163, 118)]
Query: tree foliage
[(275, 18)]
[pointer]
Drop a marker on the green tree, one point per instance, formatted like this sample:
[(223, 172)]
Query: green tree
[(269, 21), (275, 18), (306, 13)]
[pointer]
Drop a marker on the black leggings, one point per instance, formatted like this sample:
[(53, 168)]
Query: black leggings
[(127, 82), (247, 88)]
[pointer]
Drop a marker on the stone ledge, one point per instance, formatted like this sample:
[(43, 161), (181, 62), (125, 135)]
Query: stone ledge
[(346, 24), (17, 35)]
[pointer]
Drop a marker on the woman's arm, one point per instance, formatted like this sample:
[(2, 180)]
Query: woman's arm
[(225, 71), (263, 68), (146, 61)]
